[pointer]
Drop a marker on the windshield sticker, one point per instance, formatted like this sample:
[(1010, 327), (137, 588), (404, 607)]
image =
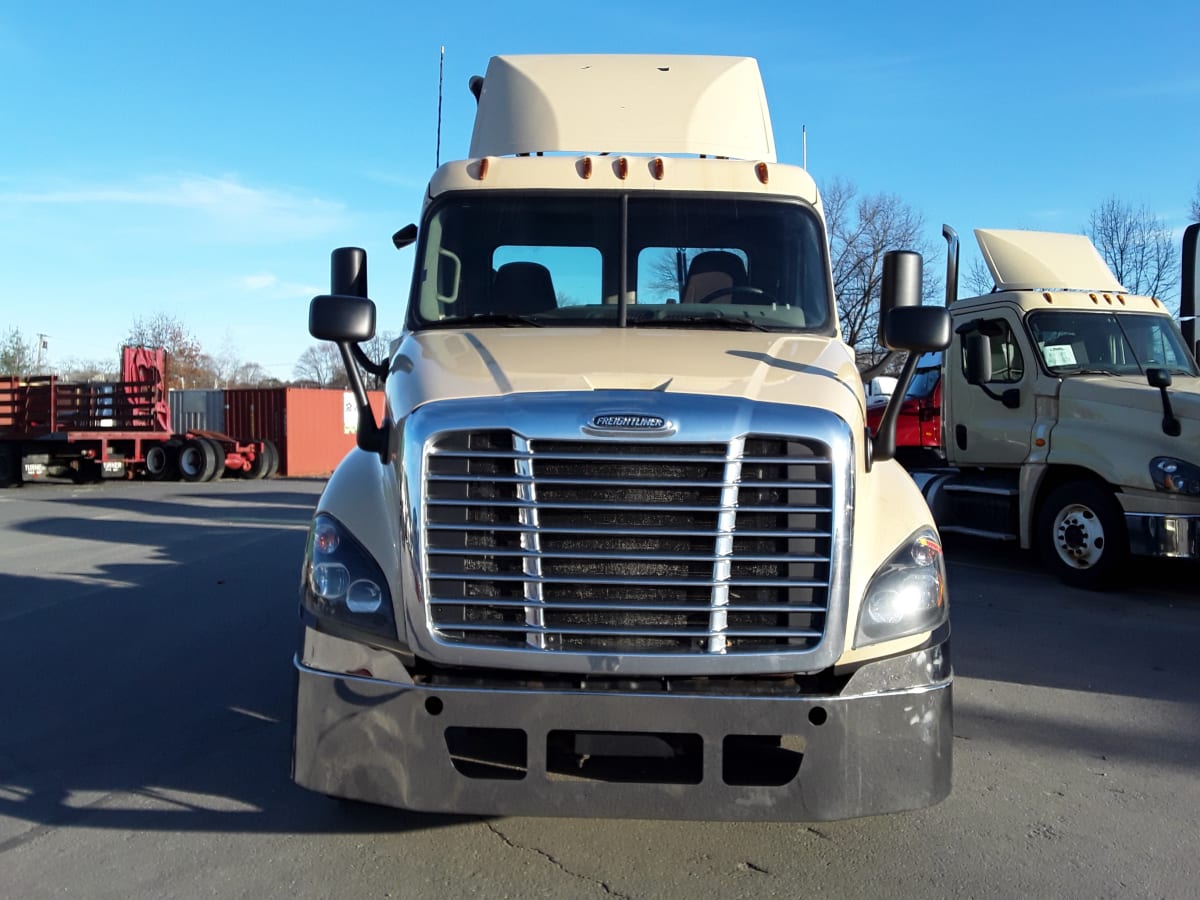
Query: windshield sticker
[(1059, 354)]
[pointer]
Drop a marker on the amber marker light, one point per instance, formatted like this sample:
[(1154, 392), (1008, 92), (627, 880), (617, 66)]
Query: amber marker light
[(658, 168), (1108, 299), (585, 168), (484, 165), (622, 168), (1039, 442), (1049, 298), (761, 171), (1095, 299)]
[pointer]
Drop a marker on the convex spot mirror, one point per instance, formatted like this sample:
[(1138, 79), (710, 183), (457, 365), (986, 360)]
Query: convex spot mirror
[(341, 319), (917, 329)]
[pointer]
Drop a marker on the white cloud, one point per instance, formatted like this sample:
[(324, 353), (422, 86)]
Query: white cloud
[(268, 285), (259, 282), (237, 210)]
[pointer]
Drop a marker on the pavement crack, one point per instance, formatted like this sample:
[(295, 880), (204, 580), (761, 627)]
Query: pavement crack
[(510, 843)]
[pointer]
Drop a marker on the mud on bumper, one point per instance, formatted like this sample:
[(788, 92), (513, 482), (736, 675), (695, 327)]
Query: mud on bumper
[(882, 745)]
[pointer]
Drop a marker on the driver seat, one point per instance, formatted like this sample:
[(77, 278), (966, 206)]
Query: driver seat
[(710, 271)]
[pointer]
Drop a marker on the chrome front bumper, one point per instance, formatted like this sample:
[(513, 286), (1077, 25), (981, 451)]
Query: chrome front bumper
[(1159, 535), (882, 745)]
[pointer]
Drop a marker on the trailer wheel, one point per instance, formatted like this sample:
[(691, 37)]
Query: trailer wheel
[(259, 465), (1081, 535), (197, 460), (161, 463), (10, 466), (219, 455), (271, 452)]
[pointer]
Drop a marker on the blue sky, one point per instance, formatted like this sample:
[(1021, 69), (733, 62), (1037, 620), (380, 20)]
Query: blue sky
[(203, 159)]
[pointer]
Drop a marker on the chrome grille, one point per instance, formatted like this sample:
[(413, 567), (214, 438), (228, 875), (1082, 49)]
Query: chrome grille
[(628, 547)]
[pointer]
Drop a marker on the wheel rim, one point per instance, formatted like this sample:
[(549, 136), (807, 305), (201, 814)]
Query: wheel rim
[(191, 460), (156, 460), (1078, 536)]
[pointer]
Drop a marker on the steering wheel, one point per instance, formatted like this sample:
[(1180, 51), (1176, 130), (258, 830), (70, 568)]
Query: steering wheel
[(736, 289)]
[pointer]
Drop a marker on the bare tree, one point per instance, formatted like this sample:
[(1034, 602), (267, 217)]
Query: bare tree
[(378, 349), (17, 356), (1194, 211), (188, 366), (861, 230), (978, 279), (1137, 246), (76, 369), (320, 366)]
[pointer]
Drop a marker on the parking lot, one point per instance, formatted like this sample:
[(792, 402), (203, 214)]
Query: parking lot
[(146, 634)]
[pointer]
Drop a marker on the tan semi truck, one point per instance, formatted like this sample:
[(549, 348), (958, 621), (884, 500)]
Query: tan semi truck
[(1070, 412), (622, 544)]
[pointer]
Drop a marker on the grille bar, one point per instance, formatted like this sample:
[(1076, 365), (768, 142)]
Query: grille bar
[(485, 553), (639, 632), (607, 607), (561, 529)]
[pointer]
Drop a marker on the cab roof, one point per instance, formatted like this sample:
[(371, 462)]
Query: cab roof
[(1044, 260), (623, 103)]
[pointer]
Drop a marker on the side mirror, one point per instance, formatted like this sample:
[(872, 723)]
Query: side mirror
[(901, 285), (1161, 379), (977, 350), (917, 329), (1158, 378), (341, 319)]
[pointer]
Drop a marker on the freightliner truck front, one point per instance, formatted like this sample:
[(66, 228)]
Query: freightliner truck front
[(622, 544)]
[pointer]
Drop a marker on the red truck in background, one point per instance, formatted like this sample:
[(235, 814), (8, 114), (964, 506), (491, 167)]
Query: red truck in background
[(919, 425), (91, 430)]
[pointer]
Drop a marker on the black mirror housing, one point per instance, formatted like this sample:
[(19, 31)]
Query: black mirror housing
[(977, 357), (341, 319), (1158, 378), (917, 329)]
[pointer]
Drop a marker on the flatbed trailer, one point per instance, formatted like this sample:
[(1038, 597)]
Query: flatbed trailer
[(88, 431)]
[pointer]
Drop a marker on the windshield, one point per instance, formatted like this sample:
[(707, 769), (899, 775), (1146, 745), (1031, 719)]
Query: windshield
[(923, 383), (1073, 343), (503, 260)]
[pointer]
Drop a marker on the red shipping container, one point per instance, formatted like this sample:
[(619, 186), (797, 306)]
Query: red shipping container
[(312, 427)]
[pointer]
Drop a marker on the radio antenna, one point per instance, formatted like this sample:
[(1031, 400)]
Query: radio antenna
[(441, 74)]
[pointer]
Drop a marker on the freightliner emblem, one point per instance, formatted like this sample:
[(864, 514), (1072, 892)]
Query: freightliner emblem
[(628, 421)]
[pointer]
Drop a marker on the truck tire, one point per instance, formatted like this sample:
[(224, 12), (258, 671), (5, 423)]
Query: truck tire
[(1081, 535), (271, 452), (10, 466), (259, 465), (161, 463), (219, 455), (197, 460)]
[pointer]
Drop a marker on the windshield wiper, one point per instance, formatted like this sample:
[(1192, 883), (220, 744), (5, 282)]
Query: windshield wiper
[(1083, 370), (713, 320), (498, 320)]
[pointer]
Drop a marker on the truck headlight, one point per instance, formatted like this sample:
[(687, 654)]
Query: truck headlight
[(342, 582), (1174, 476), (907, 595)]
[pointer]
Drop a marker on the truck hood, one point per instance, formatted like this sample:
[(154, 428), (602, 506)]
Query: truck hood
[(1106, 395), (781, 368)]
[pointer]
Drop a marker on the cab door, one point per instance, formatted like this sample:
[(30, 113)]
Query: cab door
[(990, 424)]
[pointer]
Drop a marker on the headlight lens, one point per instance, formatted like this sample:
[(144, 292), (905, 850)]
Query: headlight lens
[(1174, 476), (341, 581), (908, 593)]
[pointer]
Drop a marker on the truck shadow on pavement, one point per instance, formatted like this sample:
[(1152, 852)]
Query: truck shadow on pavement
[(150, 675)]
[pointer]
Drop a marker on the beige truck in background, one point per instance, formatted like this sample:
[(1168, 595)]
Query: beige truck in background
[(622, 544), (1070, 411)]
